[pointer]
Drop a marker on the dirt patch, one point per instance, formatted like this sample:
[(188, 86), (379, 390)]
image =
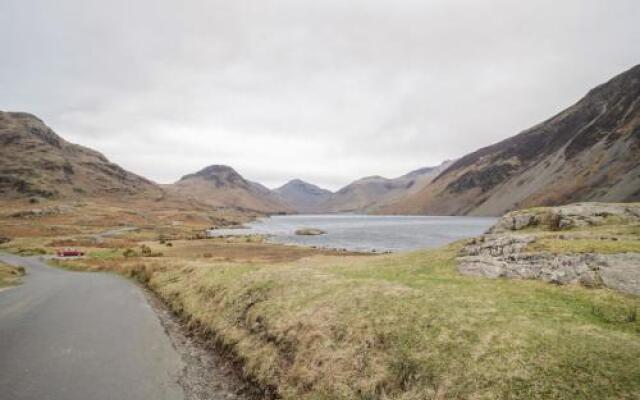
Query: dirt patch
[(210, 372)]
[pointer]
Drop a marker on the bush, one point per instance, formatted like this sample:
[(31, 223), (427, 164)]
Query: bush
[(147, 252), (32, 252), (130, 253)]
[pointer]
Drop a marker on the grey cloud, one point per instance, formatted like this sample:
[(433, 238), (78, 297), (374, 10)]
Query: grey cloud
[(325, 91)]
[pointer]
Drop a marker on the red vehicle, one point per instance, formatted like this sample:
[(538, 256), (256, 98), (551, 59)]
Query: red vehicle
[(69, 253)]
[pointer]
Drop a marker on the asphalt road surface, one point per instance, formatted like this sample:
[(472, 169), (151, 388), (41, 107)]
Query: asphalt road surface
[(82, 336)]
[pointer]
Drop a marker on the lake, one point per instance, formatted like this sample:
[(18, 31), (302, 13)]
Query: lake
[(365, 232)]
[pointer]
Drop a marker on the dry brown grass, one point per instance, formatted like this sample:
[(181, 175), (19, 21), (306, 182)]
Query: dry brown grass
[(10, 275), (236, 249), (403, 327), (90, 216), (319, 325)]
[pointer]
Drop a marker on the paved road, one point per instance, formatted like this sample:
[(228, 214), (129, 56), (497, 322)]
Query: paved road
[(82, 336)]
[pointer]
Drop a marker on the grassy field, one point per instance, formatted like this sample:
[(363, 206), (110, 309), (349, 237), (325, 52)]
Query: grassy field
[(315, 324), (399, 326)]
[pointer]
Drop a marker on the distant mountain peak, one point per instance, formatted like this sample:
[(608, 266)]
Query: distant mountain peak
[(370, 178), (303, 196), (299, 183), (212, 170), (218, 175), (294, 182), (222, 186)]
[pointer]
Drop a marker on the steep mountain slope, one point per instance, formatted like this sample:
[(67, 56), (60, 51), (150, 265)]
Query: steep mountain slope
[(588, 152), (373, 192), (36, 162), (302, 196), (418, 179), (222, 186)]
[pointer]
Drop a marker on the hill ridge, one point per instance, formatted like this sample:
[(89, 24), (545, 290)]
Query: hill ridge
[(587, 152)]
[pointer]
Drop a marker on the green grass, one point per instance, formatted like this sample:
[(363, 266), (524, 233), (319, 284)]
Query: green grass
[(394, 327), (586, 245), (105, 254), (592, 239), (409, 327), (405, 326)]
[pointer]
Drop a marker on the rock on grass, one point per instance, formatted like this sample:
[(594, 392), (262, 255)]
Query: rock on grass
[(310, 232)]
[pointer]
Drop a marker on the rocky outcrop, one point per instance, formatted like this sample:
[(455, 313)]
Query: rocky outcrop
[(495, 256), (569, 216), (508, 250), (310, 232)]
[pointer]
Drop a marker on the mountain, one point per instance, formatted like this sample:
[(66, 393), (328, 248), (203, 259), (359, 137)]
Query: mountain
[(36, 162), (418, 179), (302, 196), (222, 186), (588, 152), (362, 194), (373, 192)]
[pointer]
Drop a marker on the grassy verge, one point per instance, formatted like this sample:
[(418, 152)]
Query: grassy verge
[(404, 326), (607, 238), (10, 275), (586, 245)]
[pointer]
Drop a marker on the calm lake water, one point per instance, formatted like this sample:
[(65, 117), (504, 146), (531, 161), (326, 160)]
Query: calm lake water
[(365, 232)]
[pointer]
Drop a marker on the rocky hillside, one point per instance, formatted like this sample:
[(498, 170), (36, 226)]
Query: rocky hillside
[(588, 152), (593, 244), (222, 186), (36, 162), (303, 197), (370, 193)]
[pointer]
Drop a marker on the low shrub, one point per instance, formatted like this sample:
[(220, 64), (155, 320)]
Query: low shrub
[(129, 253), (32, 252), (147, 252)]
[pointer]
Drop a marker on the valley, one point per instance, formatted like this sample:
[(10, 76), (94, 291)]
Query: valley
[(588, 152), (302, 322), (539, 300)]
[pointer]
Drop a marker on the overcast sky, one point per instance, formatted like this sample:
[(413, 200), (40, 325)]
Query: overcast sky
[(327, 91)]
